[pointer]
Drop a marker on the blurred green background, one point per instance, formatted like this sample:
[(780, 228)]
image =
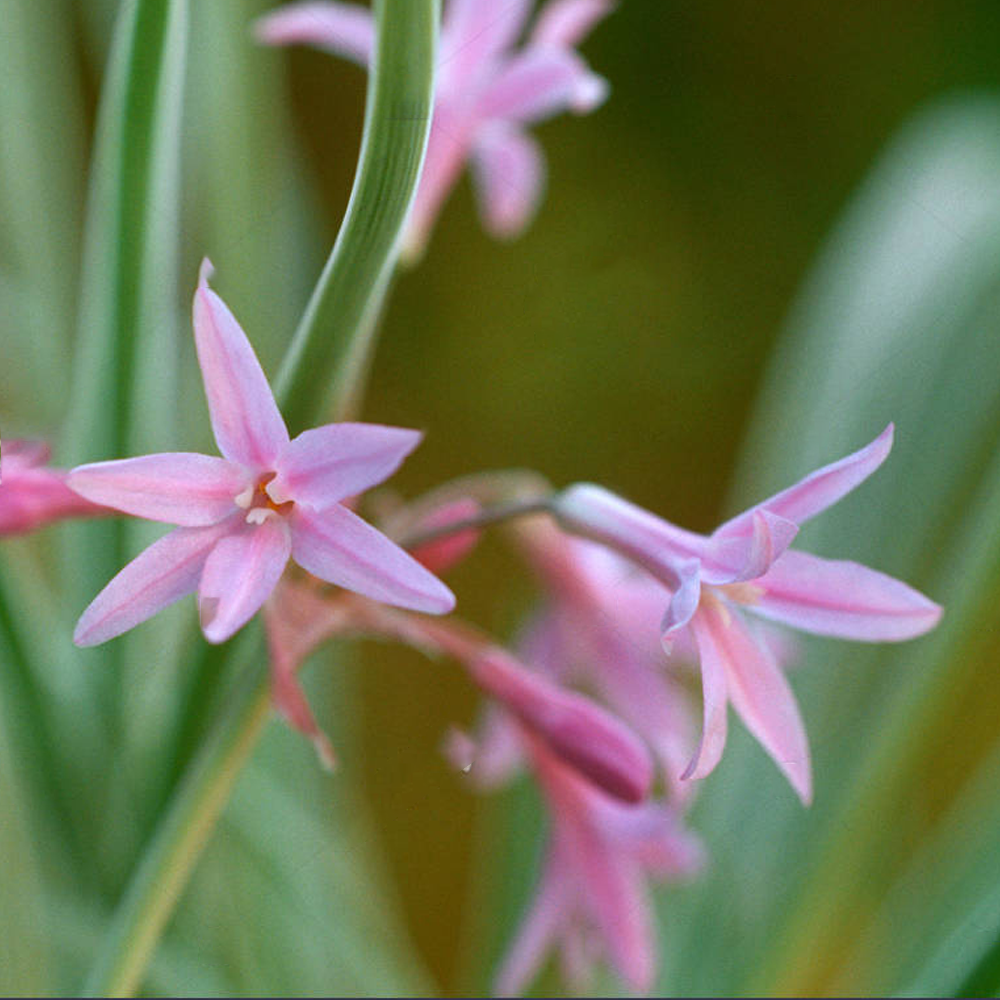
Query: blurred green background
[(622, 339)]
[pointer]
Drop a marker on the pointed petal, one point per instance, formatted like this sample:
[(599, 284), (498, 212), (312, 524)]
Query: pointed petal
[(162, 574), (843, 599), (745, 547), (338, 546), (580, 732), (476, 31), (824, 487), (245, 419), (596, 513), (564, 23), (239, 575), (684, 602), (344, 29), (714, 698), (539, 83), (761, 696), (34, 496), (326, 464), (509, 171), (176, 487), (547, 915)]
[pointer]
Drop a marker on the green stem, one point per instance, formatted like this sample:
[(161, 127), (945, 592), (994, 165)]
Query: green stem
[(334, 339)]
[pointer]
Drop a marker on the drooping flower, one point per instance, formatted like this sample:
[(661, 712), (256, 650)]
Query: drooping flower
[(487, 92), (32, 493), (242, 516), (746, 565), (592, 900)]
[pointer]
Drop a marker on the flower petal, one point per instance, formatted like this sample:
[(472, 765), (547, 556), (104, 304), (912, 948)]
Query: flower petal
[(843, 599), (245, 419), (579, 731), (760, 694), (338, 546), (33, 496), (509, 171), (714, 698), (240, 574), (326, 464), (684, 602), (474, 32), (162, 574), (344, 29), (539, 83), (176, 487), (564, 23), (744, 548), (824, 487)]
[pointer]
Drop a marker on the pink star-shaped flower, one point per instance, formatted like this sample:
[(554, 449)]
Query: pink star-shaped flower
[(486, 93), (746, 565), (242, 516)]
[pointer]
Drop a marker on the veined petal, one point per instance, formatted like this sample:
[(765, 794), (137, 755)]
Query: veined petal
[(539, 83), (714, 698), (510, 172), (824, 487), (162, 574), (760, 695), (843, 599), (326, 464), (338, 546), (476, 31), (745, 547), (345, 29), (584, 735), (596, 513), (176, 487), (240, 574), (245, 419), (564, 23)]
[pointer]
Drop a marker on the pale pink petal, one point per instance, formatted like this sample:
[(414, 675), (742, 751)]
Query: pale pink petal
[(657, 545), (684, 602), (548, 915), (474, 32), (447, 148), (245, 419), (239, 575), (323, 465), (22, 453), (843, 599), (584, 735), (33, 496), (653, 835), (714, 698), (162, 574), (539, 83), (760, 695), (444, 553), (824, 487), (177, 487), (509, 172), (338, 546), (343, 29), (745, 547), (499, 752), (564, 23)]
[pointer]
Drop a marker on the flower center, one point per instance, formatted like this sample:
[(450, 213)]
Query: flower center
[(259, 505)]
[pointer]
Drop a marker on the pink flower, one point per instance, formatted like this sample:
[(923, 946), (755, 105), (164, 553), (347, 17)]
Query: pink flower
[(32, 494), (592, 899), (242, 516), (486, 93), (746, 565)]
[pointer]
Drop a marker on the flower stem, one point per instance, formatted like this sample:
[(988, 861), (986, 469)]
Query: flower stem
[(327, 343), (483, 519)]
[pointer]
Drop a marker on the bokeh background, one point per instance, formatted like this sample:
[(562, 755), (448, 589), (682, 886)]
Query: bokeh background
[(625, 338)]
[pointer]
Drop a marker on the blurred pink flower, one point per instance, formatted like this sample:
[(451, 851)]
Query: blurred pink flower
[(746, 564), (33, 494), (241, 517), (487, 92), (592, 900)]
